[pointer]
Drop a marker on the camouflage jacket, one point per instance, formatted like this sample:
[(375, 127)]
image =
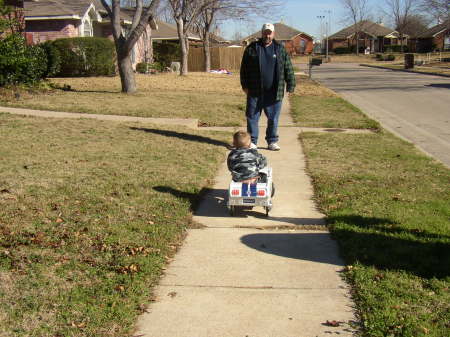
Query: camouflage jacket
[(245, 163), (251, 70)]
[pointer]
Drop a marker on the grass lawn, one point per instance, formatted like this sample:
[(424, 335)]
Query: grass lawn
[(313, 105), (164, 95), (388, 207), (90, 213)]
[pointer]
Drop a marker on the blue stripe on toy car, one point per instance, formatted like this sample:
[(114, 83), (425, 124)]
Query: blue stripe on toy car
[(249, 190)]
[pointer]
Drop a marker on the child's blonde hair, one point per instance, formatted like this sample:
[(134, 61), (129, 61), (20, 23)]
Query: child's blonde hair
[(241, 139)]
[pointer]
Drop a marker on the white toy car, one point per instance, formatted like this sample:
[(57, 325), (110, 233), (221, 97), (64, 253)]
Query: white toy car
[(249, 195)]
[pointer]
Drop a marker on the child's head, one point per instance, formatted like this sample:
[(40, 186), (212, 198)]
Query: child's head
[(241, 139)]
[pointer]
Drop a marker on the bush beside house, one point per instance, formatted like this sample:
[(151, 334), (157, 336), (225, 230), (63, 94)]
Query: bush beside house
[(20, 63), (86, 56)]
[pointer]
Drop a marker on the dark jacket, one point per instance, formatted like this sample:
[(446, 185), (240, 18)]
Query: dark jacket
[(245, 163), (251, 78)]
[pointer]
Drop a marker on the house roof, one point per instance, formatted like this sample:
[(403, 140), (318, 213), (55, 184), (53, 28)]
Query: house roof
[(47, 8), (282, 33), (435, 30), (367, 27), (168, 31)]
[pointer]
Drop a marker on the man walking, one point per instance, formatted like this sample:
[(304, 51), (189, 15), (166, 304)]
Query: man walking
[(265, 69)]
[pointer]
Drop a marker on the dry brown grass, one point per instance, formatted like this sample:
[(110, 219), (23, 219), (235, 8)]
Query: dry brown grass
[(308, 87), (313, 105), (214, 99)]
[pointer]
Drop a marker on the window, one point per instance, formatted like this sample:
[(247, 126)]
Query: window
[(87, 29), (447, 42)]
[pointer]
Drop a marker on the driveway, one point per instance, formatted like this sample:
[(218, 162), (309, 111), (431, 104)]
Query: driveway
[(414, 106)]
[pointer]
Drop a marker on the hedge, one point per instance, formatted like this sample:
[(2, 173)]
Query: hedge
[(86, 56), (20, 63), (166, 52)]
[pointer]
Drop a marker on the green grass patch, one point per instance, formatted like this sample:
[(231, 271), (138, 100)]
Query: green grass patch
[(90, 213), (388, 206), (312, 105)]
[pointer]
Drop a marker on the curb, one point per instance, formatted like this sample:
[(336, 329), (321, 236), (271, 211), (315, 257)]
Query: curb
[(404, 70), (191, 123)]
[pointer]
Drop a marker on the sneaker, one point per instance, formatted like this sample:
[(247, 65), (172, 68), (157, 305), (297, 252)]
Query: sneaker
[(253, 146), (274, 147)]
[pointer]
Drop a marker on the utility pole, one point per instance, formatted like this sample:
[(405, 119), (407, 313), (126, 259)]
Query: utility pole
[(321, 17), (327, 27)]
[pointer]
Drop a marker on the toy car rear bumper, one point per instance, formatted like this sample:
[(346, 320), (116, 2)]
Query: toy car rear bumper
[(243, 201)]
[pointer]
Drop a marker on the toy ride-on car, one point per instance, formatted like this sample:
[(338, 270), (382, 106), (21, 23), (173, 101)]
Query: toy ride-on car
[(246, 195)]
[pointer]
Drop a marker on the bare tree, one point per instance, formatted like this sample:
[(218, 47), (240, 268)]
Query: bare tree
[(437, 9), (125, 41), (416, 24), (185, 14), (356, 11), (400, 11), (164, 12), (218, 10)]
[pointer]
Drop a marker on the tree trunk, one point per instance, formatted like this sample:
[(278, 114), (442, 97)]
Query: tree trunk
[(357, 43), (126, 74), (401, 42), (184, 47), (207, 53)]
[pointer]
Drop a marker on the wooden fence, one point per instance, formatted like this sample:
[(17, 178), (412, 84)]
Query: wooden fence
[(221, 58)]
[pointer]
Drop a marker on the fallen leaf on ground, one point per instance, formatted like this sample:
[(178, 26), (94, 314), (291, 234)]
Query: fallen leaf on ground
[(332, 323)]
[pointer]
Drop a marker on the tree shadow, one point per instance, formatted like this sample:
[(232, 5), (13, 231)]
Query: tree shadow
[(367, 240), (97, 91), (193, 198), (439, 85), (184, 136), (316, 247)]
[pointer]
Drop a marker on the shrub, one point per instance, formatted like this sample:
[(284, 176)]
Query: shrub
[(53, 58), (20, 63), (396, 48), (381, 57), (341, 50), (142, 67), (389, 57), (86, 56), (166, 52)]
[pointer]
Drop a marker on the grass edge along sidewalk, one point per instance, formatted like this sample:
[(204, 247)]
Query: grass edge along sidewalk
[(91, 211), (387, 205)]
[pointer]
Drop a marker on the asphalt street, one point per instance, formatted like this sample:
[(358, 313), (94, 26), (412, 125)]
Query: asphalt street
[(416, 107)]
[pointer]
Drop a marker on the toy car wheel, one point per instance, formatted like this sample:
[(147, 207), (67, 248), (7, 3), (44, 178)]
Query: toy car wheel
[(273, 190), (267, 210), (232, 210)]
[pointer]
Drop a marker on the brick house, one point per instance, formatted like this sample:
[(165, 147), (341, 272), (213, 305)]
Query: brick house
[(168, 32), (372, 35), (435, 38), (295, 41), (54, 19), (16, 17)]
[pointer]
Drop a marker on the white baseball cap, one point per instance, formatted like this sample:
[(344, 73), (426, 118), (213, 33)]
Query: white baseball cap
[(268, 26)]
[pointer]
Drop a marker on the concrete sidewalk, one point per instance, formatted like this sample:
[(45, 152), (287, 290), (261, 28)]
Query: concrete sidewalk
[(254, 276)]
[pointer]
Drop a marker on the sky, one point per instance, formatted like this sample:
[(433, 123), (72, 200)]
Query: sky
[(299, 14)]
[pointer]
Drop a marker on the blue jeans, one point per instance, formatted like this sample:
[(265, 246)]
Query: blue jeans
[(271, 108)]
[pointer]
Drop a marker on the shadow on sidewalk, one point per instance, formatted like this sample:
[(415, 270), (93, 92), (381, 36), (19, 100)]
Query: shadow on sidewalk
[(316, 247), (211, 203), (185, 136)]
